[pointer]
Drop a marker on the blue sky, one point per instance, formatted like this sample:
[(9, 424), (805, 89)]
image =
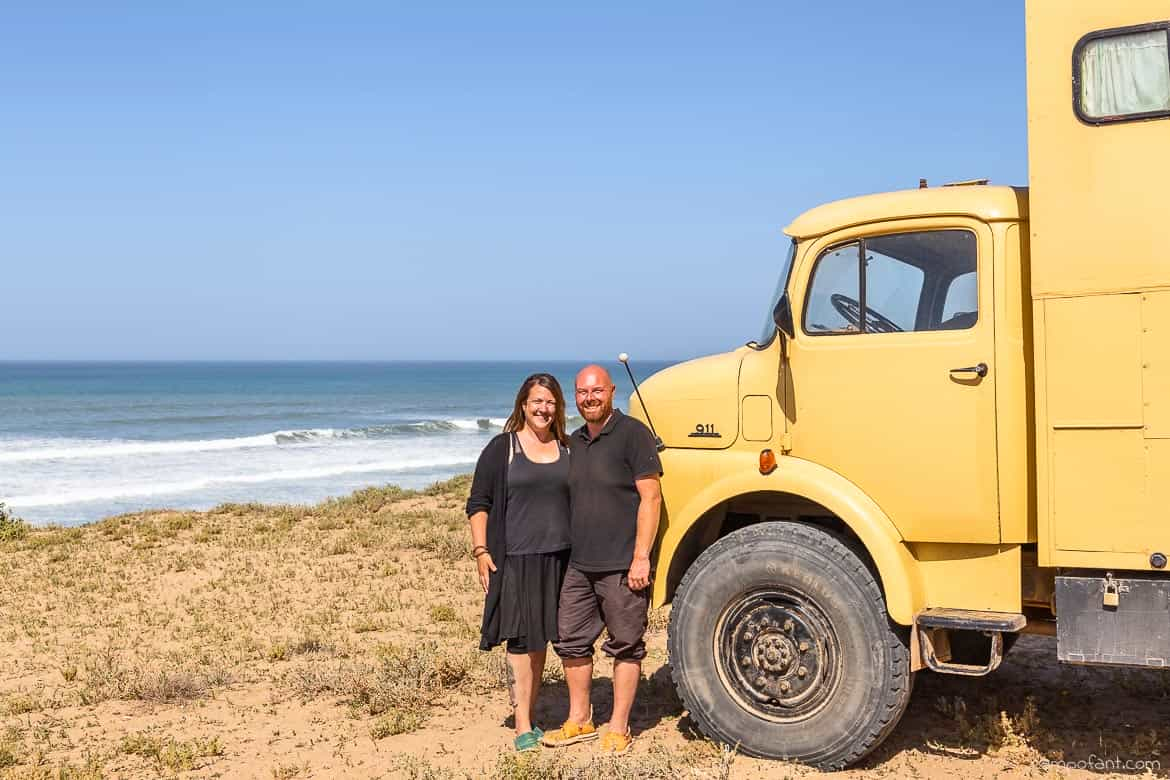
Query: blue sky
[(446, 180)]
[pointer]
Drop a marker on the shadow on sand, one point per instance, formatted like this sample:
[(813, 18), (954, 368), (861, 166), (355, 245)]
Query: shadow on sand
[(1032, 710)]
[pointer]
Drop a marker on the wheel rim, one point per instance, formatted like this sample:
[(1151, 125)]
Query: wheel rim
[(777, 654)]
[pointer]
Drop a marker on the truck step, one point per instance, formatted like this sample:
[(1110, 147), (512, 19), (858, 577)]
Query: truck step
[(971, 620), (934, 629)]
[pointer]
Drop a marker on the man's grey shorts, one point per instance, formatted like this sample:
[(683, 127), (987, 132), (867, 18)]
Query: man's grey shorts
[(591, 601)]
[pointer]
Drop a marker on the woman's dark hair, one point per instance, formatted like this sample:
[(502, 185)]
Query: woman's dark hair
[(548, 382)]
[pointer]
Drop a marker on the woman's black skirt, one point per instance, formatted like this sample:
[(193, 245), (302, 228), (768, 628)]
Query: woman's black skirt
[(529, 594)]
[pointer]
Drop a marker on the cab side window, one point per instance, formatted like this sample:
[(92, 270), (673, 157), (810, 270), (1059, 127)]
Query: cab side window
[(835, 281), (962, 297), (901, 282), (892, 287)]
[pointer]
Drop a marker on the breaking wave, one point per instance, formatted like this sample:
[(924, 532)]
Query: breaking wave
[(58, 449), (140, 490)]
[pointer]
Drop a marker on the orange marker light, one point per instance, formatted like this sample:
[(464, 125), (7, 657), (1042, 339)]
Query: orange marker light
[(767, 461)]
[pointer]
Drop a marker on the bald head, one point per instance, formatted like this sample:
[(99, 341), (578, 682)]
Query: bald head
[(594, 394), (595, 374)]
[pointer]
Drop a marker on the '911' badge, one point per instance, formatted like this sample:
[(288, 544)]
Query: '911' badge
[(705, 431)]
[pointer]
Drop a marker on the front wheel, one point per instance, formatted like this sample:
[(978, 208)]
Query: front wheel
[(780, 644)]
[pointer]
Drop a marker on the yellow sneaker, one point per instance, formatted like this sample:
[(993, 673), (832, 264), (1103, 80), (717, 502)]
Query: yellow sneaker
[(613, 742), (569, 734)]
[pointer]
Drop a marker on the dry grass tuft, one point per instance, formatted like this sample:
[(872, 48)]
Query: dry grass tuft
[(169, 753), (702, 761), (21, 704), (408, 767), (110, 674), (397, 721), (9, 754), (403, 680), (287, 771), (653, 763), (90, 769), (1018, 737)]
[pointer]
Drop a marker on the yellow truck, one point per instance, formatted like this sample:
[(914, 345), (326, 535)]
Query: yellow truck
[(954, 428)]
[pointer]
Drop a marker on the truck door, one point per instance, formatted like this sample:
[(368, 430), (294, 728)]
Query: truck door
[(893, 370)]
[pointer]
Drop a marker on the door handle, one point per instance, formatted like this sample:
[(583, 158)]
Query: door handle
[(979, 370)]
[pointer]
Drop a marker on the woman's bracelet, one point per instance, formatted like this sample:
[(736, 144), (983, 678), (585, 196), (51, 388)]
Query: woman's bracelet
[(478, 550)]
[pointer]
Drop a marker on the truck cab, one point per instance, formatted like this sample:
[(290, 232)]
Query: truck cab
[(882, 419)]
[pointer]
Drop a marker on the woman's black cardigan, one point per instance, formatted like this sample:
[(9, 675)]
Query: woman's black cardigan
[(489, 493)]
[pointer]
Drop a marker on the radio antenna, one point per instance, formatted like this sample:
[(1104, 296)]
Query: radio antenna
[(625, 361)]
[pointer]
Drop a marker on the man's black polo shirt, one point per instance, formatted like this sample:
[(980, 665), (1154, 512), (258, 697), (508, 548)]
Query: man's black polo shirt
[(603, 495)]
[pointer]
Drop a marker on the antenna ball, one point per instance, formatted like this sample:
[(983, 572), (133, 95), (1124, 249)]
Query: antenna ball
[(623, 357)]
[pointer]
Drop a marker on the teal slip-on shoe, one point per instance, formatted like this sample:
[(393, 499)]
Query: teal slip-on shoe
[(529, 740)]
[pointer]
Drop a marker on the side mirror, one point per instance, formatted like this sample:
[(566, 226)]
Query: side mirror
[(782, 316)]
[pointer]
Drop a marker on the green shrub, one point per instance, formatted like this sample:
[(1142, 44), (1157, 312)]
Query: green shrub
[(11, 527)]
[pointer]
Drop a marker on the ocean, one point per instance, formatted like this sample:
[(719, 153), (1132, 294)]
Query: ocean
[(81, 440)]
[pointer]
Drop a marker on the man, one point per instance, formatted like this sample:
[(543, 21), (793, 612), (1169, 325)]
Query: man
[(616, 499)]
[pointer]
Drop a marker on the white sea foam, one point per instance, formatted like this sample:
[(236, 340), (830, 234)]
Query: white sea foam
[(79, 448), (144, 489), (24, 451)]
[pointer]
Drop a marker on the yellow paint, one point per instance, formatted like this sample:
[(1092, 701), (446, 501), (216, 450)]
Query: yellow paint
[(1156, 364), (698, 481), (1094, 371), (1099, 274), (1014, 420), (1098, 488), (884, 411), (757, 418), (1065, 442), (947, 572), (987, 204), (1098, 193), (701, 410)]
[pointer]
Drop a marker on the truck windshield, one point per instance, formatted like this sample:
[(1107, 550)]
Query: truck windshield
[(769, 330)]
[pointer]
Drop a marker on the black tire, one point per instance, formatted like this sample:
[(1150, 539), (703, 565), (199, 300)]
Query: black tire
[(764, 603)]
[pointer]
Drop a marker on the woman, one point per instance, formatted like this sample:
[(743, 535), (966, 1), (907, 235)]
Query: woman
[(519, 512)]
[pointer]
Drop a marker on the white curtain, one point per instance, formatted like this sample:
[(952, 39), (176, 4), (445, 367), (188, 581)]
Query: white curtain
[(1125, 74)]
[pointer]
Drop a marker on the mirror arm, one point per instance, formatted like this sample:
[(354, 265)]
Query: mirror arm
[(782, 316)]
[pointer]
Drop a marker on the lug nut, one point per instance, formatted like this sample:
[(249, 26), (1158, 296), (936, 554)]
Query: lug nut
[(804, 647), (760, 681), (784, 686), (787, 625), (801, 672)]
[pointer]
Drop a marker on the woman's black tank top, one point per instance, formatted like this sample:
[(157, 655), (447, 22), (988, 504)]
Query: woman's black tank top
[(537, 520)]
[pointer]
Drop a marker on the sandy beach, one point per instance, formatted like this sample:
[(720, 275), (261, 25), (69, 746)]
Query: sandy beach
[(339, 640)]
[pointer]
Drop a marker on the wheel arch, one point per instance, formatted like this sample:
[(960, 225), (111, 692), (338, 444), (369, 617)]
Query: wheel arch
[(697, 522)]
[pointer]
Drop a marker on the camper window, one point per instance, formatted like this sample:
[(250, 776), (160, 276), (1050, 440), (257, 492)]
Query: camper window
[(1122, 75)]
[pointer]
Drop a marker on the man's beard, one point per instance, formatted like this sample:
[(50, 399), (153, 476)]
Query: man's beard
[(597, 413)]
